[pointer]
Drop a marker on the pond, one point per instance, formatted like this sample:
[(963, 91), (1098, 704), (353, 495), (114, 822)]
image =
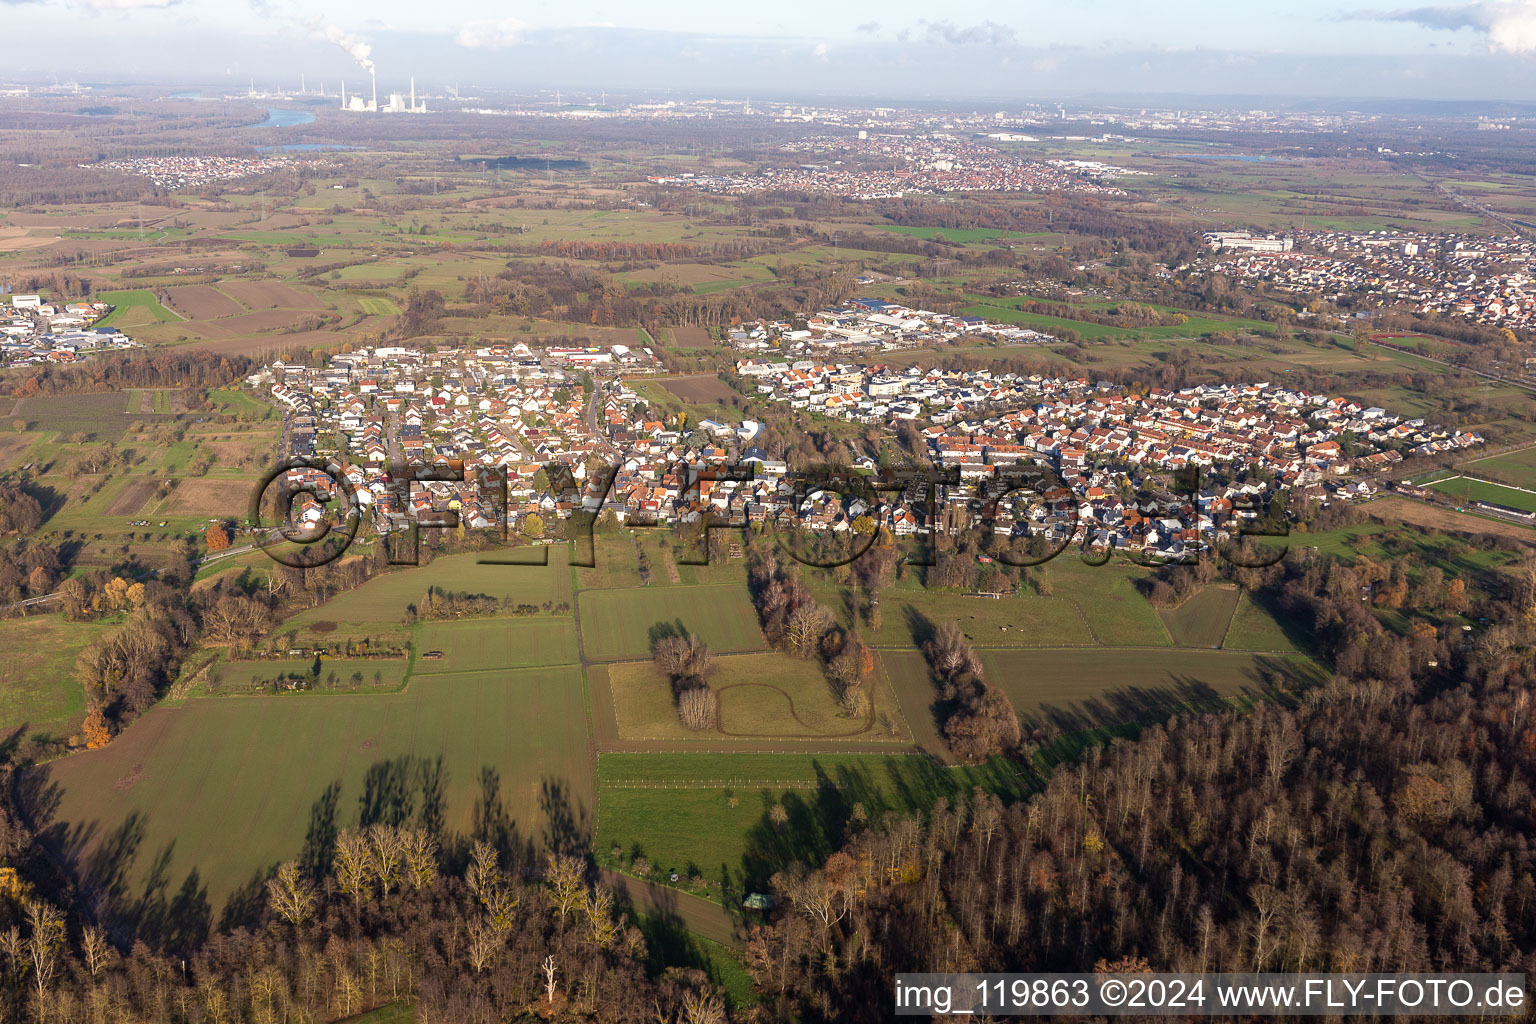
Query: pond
[(284, 119)]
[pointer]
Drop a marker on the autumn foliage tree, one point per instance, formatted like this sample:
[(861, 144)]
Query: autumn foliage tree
[(217, 537)]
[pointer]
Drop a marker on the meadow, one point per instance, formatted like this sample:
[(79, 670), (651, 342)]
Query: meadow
[(133, 308), (1203, 619), (484, 644), (1081, 689), (158, 806), (38, 689), (907, 616), (708, 814), (386, 597), (373, 674), (618, 624), (762, 696)]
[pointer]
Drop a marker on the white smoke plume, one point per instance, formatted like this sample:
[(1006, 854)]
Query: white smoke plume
[(356, 48)]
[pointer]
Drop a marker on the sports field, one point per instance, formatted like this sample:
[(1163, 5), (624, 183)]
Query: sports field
[(1517, 468), (1468, 490), (1202, 620), (618, 624), (164, 799), (484, 644)]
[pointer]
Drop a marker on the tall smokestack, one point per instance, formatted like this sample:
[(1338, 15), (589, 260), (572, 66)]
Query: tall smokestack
[(343, 94), (413, 94), (375, 77)]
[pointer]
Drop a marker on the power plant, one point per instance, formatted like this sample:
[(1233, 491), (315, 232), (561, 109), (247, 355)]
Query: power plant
[(397, 101)]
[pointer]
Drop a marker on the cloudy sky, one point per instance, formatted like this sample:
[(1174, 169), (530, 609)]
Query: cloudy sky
[(963, 48)]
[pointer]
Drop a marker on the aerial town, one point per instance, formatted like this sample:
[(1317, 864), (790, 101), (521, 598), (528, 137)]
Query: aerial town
[(927, 165), (33, 331), (1482, 278), (520, 412)]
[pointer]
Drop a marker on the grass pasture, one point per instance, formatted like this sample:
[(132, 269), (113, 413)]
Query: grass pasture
[(1202, 620), (1255, 627), (38, 689), (384, 598), (707, 814), (243, 677), (907, 617), (1078, 690), (485, 644), (375, 305), (762, 696), (616, 625), (286, 771), (135, 307)]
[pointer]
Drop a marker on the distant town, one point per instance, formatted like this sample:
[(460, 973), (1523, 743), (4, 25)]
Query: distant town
[(33, 331)]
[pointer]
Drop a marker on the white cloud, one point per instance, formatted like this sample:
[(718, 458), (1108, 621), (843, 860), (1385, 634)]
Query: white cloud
[(124, 5), (984, 33), (820, 51), (1508, 26), (492, 35)]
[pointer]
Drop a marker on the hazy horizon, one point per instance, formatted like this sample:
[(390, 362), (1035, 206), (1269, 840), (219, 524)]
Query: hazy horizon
[(1482, 51)]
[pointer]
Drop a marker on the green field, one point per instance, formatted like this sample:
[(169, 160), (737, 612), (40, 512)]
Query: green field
[(385, 598), (1115, 610), (169, 793), (1256, 628), (1082, 689), (1468, 490), (1517, 468), (1202, 620), (38, 689), (709, 813), (134, 307), (376, 306), (618, 624), (768, 695), (907, 616), (243, 677), (477, 644)]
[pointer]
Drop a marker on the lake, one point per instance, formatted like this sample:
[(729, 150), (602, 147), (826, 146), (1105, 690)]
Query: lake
[(285, 119), (303, 147)]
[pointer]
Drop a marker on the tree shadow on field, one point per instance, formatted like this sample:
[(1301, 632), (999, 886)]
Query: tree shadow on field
[(403, 790), (662, 630), (567, 826), (491, 824), (320, 839), (919, 625)]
